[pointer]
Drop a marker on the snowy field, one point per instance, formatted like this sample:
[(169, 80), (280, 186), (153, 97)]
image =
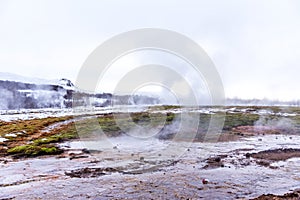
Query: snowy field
[(25, 114)]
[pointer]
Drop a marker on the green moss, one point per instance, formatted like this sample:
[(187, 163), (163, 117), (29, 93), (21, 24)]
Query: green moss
[(49, 150), (33, 150), (239, 119), (18, 149), (29, 126), (55, 138)]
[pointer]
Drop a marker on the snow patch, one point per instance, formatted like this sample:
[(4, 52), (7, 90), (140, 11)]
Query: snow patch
[(10, 135), (3, 139)]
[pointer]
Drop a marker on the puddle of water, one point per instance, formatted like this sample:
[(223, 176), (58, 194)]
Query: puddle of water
[(122, 143)]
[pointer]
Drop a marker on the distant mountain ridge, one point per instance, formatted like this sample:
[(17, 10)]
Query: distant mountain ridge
[(5, 76), (19, 92)]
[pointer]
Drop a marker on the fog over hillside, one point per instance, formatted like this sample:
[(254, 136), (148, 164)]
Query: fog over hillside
[(18, 92)]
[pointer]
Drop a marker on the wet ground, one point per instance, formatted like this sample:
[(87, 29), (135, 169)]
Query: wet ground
[(138, 169), (257, 157)]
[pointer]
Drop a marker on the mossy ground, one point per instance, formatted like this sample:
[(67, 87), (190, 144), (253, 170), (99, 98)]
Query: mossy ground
[(29, 127), (33, 150), (35, 142), (24, 144)]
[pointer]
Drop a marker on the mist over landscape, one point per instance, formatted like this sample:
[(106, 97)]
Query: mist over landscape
[(19, 92), (149, 99)]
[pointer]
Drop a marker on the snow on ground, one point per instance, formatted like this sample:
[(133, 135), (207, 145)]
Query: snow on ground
[(212, 110), (25, 114), (3, 139)]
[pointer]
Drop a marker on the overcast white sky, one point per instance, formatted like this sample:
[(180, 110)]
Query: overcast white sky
[(254, 44)]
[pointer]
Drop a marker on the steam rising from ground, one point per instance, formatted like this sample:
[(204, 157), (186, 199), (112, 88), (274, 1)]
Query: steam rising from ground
[(168, 131), (6, 99), (276, 123)]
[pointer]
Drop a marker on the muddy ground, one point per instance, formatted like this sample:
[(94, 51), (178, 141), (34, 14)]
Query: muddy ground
[(249, 161), (295, 195), (121, 173)]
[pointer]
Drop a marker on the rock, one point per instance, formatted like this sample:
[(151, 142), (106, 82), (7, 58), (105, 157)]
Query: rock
[(205, 181), (77, 157), (217, 159), (86, 151), (214, 162), (90, 172)]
